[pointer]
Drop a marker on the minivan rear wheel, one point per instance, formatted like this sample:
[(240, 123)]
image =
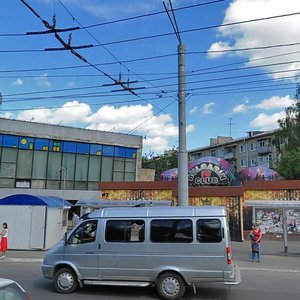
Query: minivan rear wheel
[(65, 281), (170, 286)]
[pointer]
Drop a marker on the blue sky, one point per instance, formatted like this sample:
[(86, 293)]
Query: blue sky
[(133, 40)]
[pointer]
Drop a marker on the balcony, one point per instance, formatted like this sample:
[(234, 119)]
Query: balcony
[(264, 150), (229, 155)]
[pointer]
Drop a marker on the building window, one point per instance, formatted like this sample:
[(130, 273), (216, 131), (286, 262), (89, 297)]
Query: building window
[(253, 162), (39, 168), (243, 163), (24, 164), (242, 148), (253, 146), (262, 143)]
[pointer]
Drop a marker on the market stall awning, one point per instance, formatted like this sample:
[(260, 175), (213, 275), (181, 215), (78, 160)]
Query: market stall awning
[(24, 199)]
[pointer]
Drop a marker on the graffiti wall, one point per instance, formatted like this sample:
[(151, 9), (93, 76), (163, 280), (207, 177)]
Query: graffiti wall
[(271, 220)]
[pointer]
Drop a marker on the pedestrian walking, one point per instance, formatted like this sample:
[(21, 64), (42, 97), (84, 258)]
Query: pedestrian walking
[(255, 236), (75, 219), (4, 237)]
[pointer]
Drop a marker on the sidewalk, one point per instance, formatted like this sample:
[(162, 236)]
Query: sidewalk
[(272, 256)]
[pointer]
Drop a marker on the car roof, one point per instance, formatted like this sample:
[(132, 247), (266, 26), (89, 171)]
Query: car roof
[(5, 281)]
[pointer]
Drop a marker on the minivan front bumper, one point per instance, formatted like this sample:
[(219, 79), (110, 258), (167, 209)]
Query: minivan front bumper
[(235, 277), (47, 271)]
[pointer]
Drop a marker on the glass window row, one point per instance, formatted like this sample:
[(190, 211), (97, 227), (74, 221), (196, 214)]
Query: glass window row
[(47, 169), (21, 142)]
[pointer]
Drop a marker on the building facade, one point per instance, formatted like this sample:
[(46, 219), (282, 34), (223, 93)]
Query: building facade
[(64, 161), (253, 150)]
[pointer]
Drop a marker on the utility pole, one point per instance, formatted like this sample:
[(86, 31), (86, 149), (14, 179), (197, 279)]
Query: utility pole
[(230, 124), (183, 192), (183, 188)]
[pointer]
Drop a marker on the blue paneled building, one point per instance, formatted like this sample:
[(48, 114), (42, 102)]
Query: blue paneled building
[(64, 161)]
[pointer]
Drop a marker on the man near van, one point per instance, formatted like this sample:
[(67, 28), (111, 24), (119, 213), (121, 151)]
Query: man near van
[(75, 219)]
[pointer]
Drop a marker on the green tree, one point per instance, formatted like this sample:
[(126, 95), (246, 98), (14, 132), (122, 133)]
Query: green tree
[(160, 163), (289, 167), (287, 140)]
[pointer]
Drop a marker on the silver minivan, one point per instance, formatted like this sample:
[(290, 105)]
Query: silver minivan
[(170, 248)]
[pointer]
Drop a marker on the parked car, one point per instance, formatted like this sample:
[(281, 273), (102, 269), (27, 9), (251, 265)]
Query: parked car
[(11, 290)]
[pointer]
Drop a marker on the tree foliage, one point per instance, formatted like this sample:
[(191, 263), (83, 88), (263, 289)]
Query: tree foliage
[(289, 167), (287, 140), (160, 163)]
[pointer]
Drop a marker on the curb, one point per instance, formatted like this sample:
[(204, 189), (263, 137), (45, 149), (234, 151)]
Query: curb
[(16, 260)]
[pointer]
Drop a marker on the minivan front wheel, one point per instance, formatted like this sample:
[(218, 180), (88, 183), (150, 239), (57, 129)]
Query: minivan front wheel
[(65, 281), (170, 286)]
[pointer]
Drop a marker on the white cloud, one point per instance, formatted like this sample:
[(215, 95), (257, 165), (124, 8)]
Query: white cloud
[(267, 122), (193, 110), (208, 108), (262, 33), (275, 102), (241, 108), (160, 130), (43, 80), (137, 119), (7, 115), (70, 112), (17, 82), (272, 103), (218, 46)]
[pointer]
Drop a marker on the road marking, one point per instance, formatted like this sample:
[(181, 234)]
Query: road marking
[(270, 270), (10, 259)]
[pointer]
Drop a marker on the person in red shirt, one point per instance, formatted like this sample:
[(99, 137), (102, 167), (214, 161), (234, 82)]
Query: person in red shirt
[(255, 236)]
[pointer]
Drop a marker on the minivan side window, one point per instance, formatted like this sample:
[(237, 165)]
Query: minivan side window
[(84, 233), (125, 231), (171, 231), (209, 231)]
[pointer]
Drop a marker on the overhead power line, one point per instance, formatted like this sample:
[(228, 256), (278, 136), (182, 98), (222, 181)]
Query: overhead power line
[(68, 46), (115, 21), (190, 30)]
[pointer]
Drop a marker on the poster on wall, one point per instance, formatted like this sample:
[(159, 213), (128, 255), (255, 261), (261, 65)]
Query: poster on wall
[(270, 220)]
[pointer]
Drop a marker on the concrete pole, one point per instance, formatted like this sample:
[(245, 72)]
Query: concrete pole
[(285, 233), (183, 192)]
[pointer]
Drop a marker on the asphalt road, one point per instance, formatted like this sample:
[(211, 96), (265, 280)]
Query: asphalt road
[(257, 283), (277, 277)]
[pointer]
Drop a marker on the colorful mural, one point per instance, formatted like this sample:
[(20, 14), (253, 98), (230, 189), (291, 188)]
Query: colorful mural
[(258, 173), (169, 175), (212, 171)]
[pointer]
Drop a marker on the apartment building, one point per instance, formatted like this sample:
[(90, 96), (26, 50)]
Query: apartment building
[(252, 150)]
